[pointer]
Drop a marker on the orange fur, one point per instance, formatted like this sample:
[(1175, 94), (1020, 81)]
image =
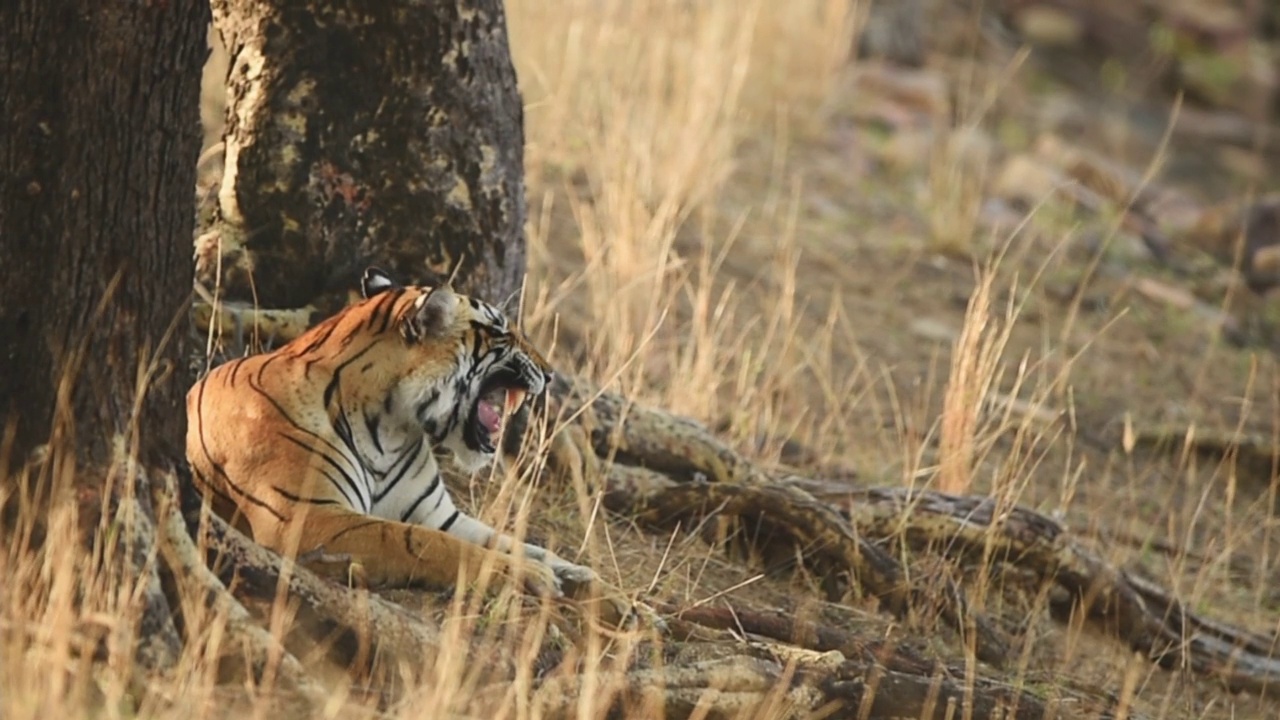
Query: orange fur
[(267, 443)]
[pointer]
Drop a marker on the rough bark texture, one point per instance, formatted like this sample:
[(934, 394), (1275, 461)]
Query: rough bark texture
[(98, 141), (364, 133)]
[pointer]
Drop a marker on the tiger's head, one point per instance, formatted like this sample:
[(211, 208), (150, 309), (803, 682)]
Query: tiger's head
[(467, 367)]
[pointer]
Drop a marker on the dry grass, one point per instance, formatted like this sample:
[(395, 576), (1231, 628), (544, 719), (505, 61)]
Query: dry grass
[(682, 173)]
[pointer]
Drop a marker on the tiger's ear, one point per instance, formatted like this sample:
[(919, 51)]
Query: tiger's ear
[(376, 280), (432, 315)]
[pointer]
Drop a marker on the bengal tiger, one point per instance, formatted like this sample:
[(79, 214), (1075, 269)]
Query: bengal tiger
[(329, 444)]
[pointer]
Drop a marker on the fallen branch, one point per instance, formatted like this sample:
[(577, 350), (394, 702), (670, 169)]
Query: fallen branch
[(785, 523)]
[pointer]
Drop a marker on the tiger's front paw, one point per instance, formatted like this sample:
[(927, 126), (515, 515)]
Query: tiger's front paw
[(619, 612), (642, 616), (571, 577), (542, 580), (609, 605)]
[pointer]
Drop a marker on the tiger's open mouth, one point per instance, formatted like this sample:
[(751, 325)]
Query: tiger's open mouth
[(499, 398)]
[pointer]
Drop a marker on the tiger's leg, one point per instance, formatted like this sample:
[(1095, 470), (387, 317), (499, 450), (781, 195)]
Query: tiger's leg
[(580, 582), (472, 530), (391, 553)]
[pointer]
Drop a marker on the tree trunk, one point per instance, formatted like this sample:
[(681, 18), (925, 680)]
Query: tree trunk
[(98, 141), (364, 133)]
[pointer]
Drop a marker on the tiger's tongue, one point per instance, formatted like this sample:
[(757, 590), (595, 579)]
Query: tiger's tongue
[(490, 416), (493, 407)]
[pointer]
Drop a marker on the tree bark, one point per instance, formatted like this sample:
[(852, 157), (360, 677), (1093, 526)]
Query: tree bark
[(364, 133), (98, 141)]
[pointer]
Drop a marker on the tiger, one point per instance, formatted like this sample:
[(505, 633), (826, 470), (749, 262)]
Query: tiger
[(329, 446)]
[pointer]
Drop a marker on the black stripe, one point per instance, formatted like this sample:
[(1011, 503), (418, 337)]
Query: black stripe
[(435, 484), (439, 497), (262, 369), (205, 486), (371, 424), (332, 387), (437, 433), (342, 426), (323, 332), (424, 406), (412, 457), (204, 447), (345, 341), (289, 419), (461, 386), (357, 526), (284, 414), (235, 368), (355, 504), (303, 498), (350, 481), (388, 312), (238, 491), (444, 526)]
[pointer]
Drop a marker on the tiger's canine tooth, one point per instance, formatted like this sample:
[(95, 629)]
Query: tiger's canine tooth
[(515, 396)]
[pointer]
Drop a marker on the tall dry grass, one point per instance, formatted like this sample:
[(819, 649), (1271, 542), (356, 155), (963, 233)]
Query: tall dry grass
[(636, 112), (648, 121)]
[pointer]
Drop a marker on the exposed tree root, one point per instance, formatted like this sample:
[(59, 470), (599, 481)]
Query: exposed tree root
[(781, 627), (786, 523), (704, 669), (720, 676), (688, 475), (669, 470), (159, 643), (202, 592), (1146, 616)]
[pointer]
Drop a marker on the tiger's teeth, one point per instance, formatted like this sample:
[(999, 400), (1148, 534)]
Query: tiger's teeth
[(515, 396)]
